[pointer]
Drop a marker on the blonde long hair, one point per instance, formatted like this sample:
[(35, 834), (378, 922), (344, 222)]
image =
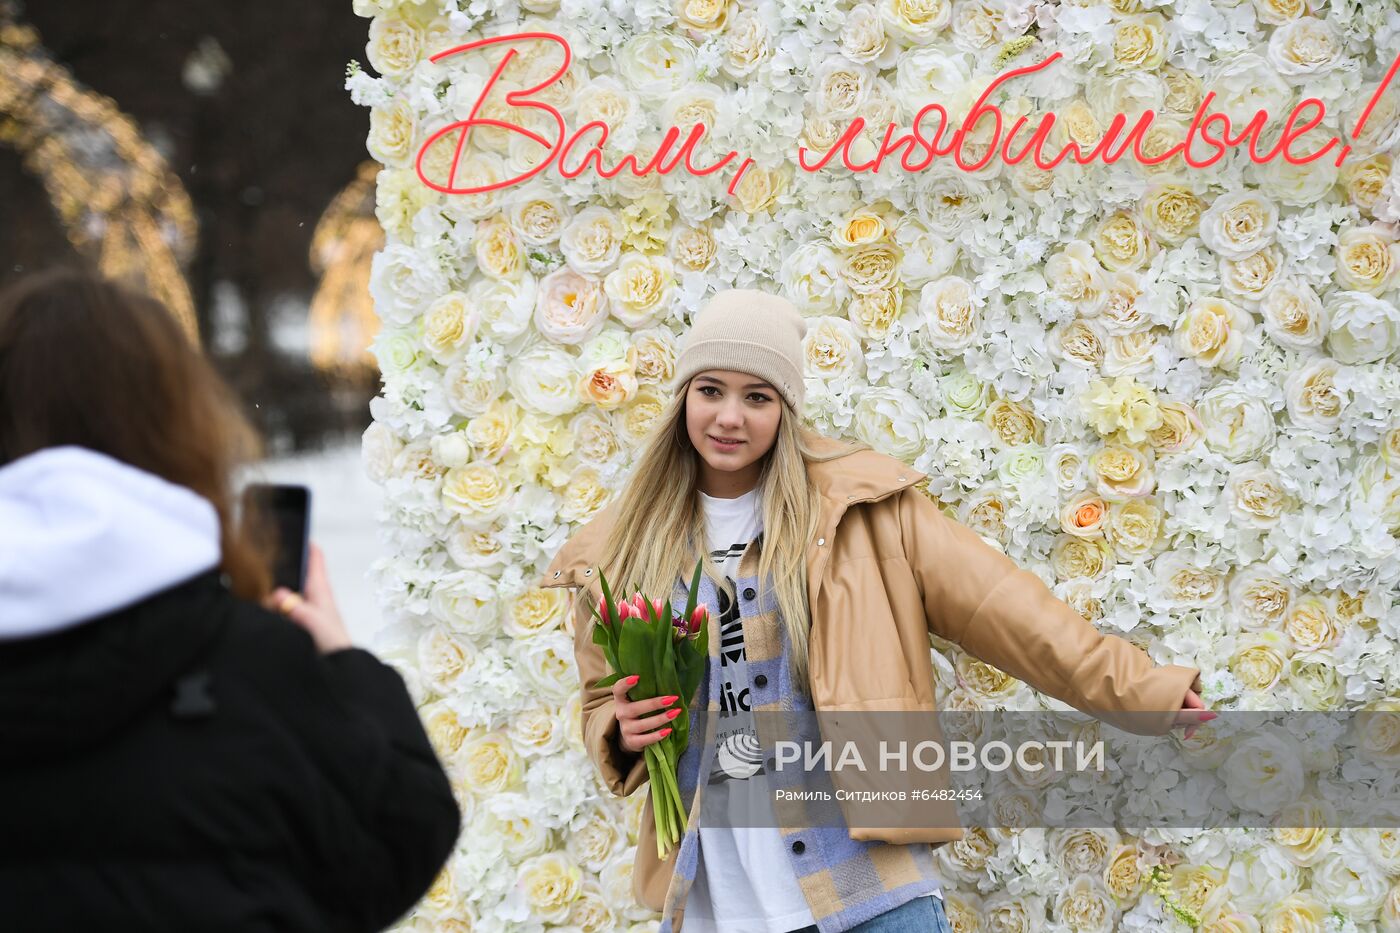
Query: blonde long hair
[(657, 535)]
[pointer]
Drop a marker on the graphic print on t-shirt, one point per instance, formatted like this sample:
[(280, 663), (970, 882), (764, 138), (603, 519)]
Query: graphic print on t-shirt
[(738, 754)]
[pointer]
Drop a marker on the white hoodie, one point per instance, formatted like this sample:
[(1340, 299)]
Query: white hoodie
[(82, 535)]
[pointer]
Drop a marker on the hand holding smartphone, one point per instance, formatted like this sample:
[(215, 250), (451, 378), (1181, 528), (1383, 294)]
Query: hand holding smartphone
[(282, 514)]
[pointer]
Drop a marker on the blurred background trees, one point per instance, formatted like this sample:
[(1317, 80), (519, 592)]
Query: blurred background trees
[(206, 142)]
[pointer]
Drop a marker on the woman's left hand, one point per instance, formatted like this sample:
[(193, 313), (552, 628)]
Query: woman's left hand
[(1193, 713)]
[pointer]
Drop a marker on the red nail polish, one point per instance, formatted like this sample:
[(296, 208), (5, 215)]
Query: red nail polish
[(665, 732), (667, 701), (673, 714), (632, 681)]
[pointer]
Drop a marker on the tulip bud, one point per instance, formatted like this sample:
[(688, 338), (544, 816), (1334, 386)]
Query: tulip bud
[(697, 619), (624, 611), (639, 606), (660, 608), (603, 611)]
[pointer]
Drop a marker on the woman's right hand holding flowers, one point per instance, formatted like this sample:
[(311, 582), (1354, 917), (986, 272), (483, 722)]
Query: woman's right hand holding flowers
[(638, 721)]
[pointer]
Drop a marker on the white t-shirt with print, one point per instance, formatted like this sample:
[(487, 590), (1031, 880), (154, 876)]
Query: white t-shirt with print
[(744, 883)]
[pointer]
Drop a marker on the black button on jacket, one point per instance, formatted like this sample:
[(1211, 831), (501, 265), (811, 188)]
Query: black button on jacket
[(193, 764)]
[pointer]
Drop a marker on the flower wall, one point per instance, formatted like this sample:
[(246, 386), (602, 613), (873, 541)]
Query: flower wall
[(1169, 391)]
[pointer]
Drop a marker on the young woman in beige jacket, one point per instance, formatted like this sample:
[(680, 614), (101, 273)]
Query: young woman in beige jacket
[(826, 573)]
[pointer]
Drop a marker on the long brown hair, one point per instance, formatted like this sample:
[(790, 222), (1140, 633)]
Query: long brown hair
[(86, 362)]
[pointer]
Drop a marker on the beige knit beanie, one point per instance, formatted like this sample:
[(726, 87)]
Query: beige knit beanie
[(747, 331)]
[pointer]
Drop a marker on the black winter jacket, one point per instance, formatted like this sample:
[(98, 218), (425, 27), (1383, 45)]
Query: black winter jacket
[(192, 763)]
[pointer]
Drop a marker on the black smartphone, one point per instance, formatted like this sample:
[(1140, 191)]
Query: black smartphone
[(282, 523)]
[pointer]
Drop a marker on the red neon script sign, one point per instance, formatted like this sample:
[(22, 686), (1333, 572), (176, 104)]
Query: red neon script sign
[(1214, 130)]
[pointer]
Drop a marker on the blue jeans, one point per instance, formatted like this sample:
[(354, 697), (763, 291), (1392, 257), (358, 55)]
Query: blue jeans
[(921, 915)]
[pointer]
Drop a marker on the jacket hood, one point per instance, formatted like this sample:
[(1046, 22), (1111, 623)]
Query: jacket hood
[(83, 535)]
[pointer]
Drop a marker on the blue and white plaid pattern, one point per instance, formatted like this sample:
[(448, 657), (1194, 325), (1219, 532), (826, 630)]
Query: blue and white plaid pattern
[(845, 882)]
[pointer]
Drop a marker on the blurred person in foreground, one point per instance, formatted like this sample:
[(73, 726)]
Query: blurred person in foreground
[(174, 754)]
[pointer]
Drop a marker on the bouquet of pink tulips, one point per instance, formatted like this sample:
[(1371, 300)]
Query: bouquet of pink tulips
[(667, 655)]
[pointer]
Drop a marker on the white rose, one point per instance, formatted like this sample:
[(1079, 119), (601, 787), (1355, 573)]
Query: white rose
[(1140, 42), (1302, 834), (812, 277), (656, 65), (1316, 681), (1081, 342), (545, 379), (503, 308), (1244, 84), (1134, 527), (1120, 242), (703, 16), (745, 44), (547, 661), (1259, 660), (604, 100), (1363, 328), (1351, 882), (592, 241), (891, 421), (1311, 625), (378, 448), (448, 326), (863, 37), (1304, 48), (1214, 331), (833, 351), (1238, 224), (693, 248), (451, 450), (950, 312), (1256, 496), (570, 308), (537, 220), (1297, 185), (926, 256), (1314, 401), (443, 660), (1262, 774), (871, 268), (1130, 354), (1185, 582), (497, 250), (1075, 276), (402, 281), (470, 392), (1368, 260), (873, 314), (477, 492), (1172, 213), (1301, 912), (1237, 423), (1293, 315), (640, 288), (1260, 877)]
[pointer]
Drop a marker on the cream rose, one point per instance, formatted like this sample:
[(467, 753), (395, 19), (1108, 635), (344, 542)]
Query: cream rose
[(545, 380), (873, 313), (1130, 354), (1186, 583), (745, 44), (550, 883), (917, 21), (1297, 913), (1183, 90), (1256, 496), (640, 288), (832, 350), (1304, 48), (1081, 342), (537, 221), (1075, 276), (583, 497), (497, 250), (703, 17), (1120, 242), (1259, 598), (1293, 315), (1073, 557), (1013, 423), (1310, 624), (759, 188), (692, 248), (570, 308), (392, 131), (985, 513), (1213, 331), (535, 611), (444, 660), (1172, 213), (872, 268), (1179, 430), (1302, 834), (1314, 401), (595, 440), (1367, 260), (1248, 278), (477, 492), (1085, 905), (656, 355), (656, 64), (394, 46), (1122, 473), (489, 432), (448, 326), (1123, 875), (1134, 527), (1365, 180), (1238, 224), (592, 241), (643, 416), (1259, 659), (1140, 42), (951, 313)]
